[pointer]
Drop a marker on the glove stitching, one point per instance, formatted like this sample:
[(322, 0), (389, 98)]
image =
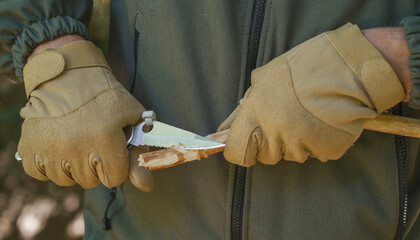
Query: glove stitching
[(355, 71), (63, 163), (75, 110), (93, 171), (38, 167), (302, 47), (87, 66), (249, 140), (306, 110), (108, 81)]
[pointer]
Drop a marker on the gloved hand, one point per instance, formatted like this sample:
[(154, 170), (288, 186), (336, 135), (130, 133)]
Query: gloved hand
[(312, 101), (140, 177), (74, 118)]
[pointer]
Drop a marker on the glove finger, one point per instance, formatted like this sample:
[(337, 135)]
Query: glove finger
[(295, 152), (140, 177), (270, 148), (111, 162), (243, 141), (32, 162), (81, 172), (35, 166), (54, 170), (131, 111)]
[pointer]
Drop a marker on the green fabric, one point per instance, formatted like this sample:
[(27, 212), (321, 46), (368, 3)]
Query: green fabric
[(411, 26), (26, 23), (29, 38), (190, 69)]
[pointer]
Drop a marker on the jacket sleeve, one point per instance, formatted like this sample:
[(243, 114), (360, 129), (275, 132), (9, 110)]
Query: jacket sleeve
[(411, 26), (24, 24)]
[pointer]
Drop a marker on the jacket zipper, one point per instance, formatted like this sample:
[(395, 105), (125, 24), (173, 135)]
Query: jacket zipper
[(113, 192), (135, 48), (400, 147), (240, 172)]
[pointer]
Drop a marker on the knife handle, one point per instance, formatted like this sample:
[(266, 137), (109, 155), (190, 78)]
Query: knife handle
[(166, 158)]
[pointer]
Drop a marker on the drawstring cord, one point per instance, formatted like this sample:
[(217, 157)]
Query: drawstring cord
[(105, 220)]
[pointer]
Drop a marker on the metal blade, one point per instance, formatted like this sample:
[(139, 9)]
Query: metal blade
[(166, 136)]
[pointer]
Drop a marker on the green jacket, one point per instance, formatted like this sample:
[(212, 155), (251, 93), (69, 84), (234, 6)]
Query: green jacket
[(191, 62)]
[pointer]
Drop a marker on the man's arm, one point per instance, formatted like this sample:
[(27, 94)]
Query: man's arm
[(78, 98), (56, 43), (24, 24), (411, 27), (391, 43)]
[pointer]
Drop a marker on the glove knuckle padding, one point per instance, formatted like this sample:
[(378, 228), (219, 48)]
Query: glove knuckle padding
[(33, 163), (55, 171), (75, 120), (113, 163), (313, 100)]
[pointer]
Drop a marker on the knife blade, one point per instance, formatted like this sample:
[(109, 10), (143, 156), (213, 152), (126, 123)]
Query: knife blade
[(166, 136)]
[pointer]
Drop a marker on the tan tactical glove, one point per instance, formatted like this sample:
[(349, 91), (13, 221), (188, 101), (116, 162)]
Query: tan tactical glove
[(73, 128), (312, 101), (140, 177)]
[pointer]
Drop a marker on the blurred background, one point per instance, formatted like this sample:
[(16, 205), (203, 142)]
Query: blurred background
[(31, 209)]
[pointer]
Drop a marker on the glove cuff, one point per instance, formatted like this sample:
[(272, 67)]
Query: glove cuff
[(376, 75), (50, 63)]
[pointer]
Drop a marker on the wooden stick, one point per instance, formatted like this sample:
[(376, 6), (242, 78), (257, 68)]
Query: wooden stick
[(166, 158), (403, 126), (178, 155)]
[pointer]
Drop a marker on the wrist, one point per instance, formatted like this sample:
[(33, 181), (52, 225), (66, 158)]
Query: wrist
[(56, 43), (391, 43)]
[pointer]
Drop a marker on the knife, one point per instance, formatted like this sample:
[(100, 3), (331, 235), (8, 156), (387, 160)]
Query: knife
[(166, 158), (154, 133), (186, 146), (162, 135), (165, 136)]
